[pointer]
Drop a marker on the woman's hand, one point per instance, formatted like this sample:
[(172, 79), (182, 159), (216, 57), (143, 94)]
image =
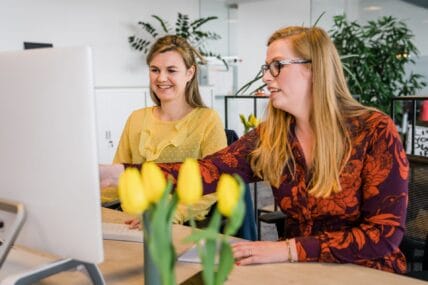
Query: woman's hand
[(134, 223), (260, 252), (109, 174)]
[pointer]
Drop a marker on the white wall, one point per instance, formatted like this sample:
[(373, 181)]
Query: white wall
[(256, 22), (220, 25), (102, 24)]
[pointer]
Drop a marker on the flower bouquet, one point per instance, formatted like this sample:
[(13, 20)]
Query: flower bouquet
[(150, 194)]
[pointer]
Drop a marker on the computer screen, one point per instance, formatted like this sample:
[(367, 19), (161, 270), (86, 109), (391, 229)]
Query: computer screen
[(48, 155)]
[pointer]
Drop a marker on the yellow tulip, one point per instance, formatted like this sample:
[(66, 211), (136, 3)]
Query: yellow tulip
[(253, 121), (154, 181), (243, 120), (131, 192), (228, 194), (189, 183)]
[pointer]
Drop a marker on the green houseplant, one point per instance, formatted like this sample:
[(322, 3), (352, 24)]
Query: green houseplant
[(381, 50), (184, 27), (374, 58)]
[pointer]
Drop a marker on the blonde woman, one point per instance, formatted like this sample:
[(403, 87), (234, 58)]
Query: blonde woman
[(179, 126), (337, 168)]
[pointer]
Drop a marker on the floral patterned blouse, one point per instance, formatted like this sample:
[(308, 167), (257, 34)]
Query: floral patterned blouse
[(364, 223)]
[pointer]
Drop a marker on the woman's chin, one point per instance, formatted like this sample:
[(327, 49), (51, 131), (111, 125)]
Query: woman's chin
[(277, 104)]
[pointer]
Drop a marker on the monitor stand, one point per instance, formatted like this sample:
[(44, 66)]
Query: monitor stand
[(15, 214), (30, 277)]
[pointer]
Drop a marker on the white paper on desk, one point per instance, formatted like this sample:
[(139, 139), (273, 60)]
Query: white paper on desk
[(122, 232), (191, 255)]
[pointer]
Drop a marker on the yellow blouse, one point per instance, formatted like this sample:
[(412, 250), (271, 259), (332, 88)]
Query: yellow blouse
[(146, 138)]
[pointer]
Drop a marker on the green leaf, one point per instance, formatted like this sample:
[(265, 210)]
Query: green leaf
[(184, 27), (225, 264), (208, 261), (201, 235), (245, 87), (162, 22), (318, 19), (160, 236), (199, 22)]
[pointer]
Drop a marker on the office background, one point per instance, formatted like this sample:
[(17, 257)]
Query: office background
[(121, 75)]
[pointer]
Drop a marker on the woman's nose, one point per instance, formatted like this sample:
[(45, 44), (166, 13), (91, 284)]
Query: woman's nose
[(267, 77), (162, 76)]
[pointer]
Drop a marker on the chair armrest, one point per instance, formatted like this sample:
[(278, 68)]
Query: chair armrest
[(115, 205), (272, 217)]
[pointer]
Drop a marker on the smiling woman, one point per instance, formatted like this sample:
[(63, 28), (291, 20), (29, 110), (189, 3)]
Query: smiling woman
[(179, 126)]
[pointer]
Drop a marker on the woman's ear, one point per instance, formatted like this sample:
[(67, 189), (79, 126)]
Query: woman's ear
[(190, 73)]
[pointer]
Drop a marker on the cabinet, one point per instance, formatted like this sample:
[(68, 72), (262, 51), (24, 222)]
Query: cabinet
[(113, 106)]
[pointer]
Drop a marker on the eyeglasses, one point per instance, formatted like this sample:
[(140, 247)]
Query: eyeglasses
[(275, 66)]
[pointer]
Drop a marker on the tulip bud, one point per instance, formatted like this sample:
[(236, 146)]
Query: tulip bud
[(253, 121), (228, 194), (189, 183), (154, 181), (131, 192), (243, 119)]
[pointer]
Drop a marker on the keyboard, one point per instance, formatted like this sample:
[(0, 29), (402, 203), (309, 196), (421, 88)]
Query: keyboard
[(121, 232)]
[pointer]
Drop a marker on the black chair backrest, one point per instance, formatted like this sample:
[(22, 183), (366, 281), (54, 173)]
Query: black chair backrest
[(231, 136), (417, 211), (425, 261), (415, 238)]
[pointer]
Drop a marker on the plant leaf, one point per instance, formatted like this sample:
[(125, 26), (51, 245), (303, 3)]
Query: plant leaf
[(162, 23)]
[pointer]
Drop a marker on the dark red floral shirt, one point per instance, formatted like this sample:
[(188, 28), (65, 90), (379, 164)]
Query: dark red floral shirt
[(362, 224)]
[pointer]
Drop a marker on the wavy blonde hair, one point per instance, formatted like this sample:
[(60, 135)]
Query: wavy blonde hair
[(189, 55), (332, 104)]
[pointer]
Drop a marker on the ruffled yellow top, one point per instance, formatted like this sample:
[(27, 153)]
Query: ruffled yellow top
[(146, 138)]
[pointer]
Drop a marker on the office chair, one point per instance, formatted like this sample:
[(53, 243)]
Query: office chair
[(423, 274), (414, 244), (271, 215)]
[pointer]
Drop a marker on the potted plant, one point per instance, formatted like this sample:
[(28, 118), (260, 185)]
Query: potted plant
[(381, 49), (184, 27)]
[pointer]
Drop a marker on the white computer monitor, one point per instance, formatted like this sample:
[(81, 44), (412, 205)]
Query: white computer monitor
[(48, 155)]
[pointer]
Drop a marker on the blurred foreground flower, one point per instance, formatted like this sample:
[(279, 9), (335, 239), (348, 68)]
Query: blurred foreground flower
[(131, 192), (149, 194), (230, 195), (154, 181), (189, 183)]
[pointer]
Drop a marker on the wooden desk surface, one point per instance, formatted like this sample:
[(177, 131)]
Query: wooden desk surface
[(123, 264)]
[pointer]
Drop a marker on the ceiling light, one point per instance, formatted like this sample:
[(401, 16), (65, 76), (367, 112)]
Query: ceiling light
[(373, 8)]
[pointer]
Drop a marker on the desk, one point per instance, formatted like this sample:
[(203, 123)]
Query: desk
[(123, 264)]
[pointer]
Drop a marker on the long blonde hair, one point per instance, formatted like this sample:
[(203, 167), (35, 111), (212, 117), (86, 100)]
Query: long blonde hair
[(332, 104), (189, 54)]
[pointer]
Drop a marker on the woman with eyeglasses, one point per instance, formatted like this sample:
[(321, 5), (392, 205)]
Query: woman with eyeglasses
[(337, 168)]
